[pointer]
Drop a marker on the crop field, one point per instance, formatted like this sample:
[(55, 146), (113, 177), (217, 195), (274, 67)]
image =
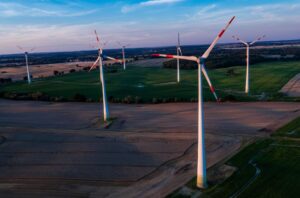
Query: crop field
[(50, 149), (152, 84)]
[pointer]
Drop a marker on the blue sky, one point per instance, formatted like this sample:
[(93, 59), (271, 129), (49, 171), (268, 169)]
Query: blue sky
[(60, 25)]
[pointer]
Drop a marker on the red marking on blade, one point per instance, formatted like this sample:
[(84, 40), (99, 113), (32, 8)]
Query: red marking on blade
[(169, 56), (96, 36), (212, 89), (231, 20), (156, 55), (221, 33)]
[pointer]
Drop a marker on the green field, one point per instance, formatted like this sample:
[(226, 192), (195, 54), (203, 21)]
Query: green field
[(148, 84), (277, 161), (290, 130)]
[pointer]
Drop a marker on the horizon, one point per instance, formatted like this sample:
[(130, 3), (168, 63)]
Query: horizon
[(62, 26), (154, 47)]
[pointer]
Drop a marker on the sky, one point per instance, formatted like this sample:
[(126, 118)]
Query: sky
[(60, 25)]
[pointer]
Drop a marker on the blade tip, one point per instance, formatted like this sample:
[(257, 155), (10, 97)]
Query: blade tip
[(231, 19)]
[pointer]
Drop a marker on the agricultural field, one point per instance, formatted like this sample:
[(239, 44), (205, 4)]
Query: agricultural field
[(154, 85), (267, 168), (50, 149)]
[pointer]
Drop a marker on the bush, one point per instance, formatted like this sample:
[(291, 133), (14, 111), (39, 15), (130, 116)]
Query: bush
[(128, 100), (25, 77), (86, 69), (165, 100), (72, 70), (229, 97), (36, 96), (79, 97), (5, 80), (193, 100), (55, 73), (138, 100), (114, 100), (58, 99), (156, 100)]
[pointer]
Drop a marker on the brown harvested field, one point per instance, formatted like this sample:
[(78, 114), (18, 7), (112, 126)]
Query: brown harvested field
[(58, 149), (45, 70), (17, 73)]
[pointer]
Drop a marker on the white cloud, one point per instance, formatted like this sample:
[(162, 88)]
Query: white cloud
[(277, 21), (260, 13), (129, 8), (15, 9), (70, 37)]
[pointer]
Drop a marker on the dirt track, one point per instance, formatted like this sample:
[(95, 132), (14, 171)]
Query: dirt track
[(58, 149)]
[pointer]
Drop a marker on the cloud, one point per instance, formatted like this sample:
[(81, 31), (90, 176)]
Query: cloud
[(70, 37), (129, 8), (15, 9), (260, 13)]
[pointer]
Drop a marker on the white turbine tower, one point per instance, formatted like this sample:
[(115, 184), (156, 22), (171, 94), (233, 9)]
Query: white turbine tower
[(179, 53), (201, 165), (123, 54), (102, 80), (247, 58), (26, 61)]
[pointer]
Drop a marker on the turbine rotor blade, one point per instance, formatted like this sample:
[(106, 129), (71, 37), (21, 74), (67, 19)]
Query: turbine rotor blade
[(206, 54), (97, 38), (95, 63), (258, 39), (20, 47), (111, 58), (105, 43), (240, 40), (190, 58), (212, 89)]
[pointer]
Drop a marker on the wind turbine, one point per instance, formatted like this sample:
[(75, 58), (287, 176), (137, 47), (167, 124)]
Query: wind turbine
[(179, 53), (26, 61), (102, 80), (201, 161), (247, 58), (123, 54)]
